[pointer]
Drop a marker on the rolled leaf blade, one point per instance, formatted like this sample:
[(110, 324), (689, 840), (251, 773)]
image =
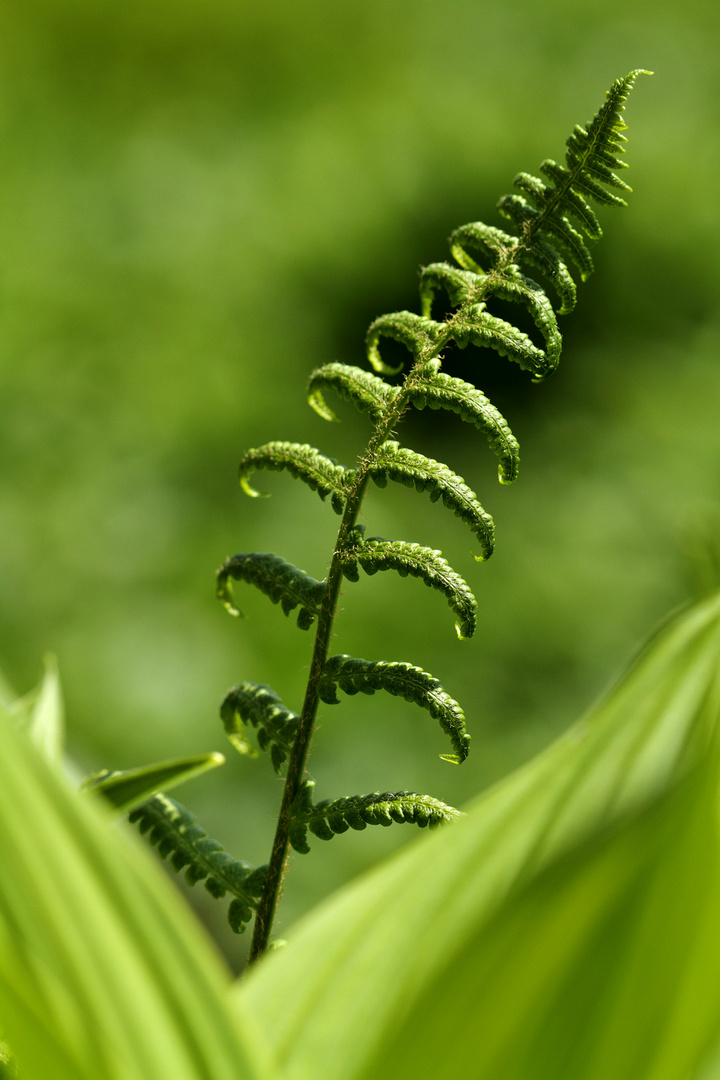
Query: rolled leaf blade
[(131, 787)]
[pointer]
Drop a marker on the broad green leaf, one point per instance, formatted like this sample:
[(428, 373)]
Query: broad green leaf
[(604, 966), (104, 974), (127, 789), (566, 927)]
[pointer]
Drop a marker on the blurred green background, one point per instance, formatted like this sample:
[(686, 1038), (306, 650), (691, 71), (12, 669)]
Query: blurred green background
[(200, 202)]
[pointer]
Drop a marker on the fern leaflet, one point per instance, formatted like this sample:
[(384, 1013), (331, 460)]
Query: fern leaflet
[(376, 554), (303, 462), (330, 817), (368, 392), (413, 331), (433, 388), (395, 462), (275, 577), (256, 704), (175, 832), (354, 675)]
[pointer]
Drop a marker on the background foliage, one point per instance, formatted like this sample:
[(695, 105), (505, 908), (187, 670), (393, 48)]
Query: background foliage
[(201, 202)]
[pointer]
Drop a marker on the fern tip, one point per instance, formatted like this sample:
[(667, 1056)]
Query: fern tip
[(226, 597), (317, 402), (251, 491), (243, 746), (380, 366)]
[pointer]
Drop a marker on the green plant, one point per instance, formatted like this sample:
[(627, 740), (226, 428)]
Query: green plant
[(573, 908), (490, 264)]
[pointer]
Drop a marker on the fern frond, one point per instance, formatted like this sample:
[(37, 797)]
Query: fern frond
[(303, 462), (395, 462), (256, 704), (543, 211), (354, 675), (551, 225), (174, 831), (542, 216), (280, 580), (431, 387), (413, 331), (368, 392), (330, 817), (375, 554)]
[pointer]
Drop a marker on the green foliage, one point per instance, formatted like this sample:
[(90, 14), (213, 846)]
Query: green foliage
[(330, 817), (103, 973), (375, 553), (566, 925), (172, 828), (397, 463), (128, 788), (545, 237), (279, 580), (259, 705), (40, 713), (353, 675)]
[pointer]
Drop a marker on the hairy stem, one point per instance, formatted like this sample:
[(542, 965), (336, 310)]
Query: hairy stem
[(298, 757), (296, 764), (382, 431), (589, 170)]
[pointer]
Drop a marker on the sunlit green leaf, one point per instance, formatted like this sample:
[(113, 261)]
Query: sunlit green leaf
[(127, 789), (567, 927), (104, 975)]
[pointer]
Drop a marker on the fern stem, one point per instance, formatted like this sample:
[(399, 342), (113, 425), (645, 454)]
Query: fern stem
[(296, 764), (589, 169), (382, 431), (277, 866)]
